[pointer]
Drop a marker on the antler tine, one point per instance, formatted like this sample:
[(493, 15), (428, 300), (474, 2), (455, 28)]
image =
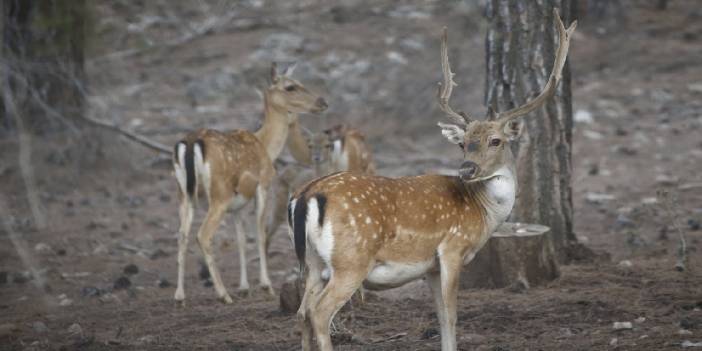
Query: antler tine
[(446, 88), (564, 36)]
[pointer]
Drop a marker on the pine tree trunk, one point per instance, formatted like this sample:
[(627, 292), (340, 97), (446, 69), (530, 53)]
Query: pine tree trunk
[(520, 48)]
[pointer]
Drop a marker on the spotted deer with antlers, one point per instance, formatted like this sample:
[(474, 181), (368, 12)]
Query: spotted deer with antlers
[(234, 167), (354, 230)]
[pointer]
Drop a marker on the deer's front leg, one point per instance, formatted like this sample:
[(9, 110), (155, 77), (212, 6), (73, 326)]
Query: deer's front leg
[(444, 286)]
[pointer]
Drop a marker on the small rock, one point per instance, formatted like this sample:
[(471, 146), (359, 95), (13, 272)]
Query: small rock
[(622, 325), (649, 200), (474, 338), (75, 329), (21, 277), (597, 198), (131, 269), (688, 343), (624, 222), (613, 342), (158, 253), (65, 302), (684, 332), (146, 339), (122, 283), (625, 263), (429, 333), (593, 169), (640, 320), (565, 333), (42, 248), (40, 327), (163, 283), (101, 249), (592, 135), (666, 180), (583, 116), (689, 323), (89, 291), (396, 57), (695, 87), (693, 224)]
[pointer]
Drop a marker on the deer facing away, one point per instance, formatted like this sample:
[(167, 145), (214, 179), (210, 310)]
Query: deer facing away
[(353, 229), (234, 167)]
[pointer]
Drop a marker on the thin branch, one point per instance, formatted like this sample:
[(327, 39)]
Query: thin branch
[(667, 204), (132, 136)]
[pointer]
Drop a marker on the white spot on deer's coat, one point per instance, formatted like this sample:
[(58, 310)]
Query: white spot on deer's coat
[(368, 220)]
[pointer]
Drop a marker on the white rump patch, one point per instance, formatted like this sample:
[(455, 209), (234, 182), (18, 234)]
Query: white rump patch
[(179, 167), (321, 239), (202, 169)]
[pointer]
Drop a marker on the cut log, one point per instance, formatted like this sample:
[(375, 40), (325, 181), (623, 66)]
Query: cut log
[(517, 255)]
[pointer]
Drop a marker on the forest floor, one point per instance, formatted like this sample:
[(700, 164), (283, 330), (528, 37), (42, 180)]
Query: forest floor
[(637, 87)]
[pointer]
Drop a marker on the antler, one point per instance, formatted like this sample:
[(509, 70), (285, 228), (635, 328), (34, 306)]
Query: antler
[(446, 87), (564, 36)]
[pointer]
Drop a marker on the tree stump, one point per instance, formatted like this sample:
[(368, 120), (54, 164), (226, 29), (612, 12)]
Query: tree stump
[(517, 255)]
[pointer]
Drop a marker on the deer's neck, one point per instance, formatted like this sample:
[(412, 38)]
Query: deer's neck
[(274, 130), (497, 195), (297, 144)]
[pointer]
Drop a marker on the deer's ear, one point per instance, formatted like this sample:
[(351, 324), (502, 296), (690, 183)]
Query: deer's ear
[(290, 69), (452, 132), (513, 129)]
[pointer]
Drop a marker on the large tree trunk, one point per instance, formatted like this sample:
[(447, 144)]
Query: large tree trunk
[(42, 57), (520, 48)]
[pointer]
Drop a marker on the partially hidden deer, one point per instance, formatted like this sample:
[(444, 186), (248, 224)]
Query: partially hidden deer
[(351, 230), (232, 168), (339, 148)]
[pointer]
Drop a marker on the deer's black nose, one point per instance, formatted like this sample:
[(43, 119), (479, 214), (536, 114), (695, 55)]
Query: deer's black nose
[(468, 170)]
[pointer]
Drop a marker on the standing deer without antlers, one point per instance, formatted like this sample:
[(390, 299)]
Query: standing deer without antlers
[(233, 167), (358, 229)]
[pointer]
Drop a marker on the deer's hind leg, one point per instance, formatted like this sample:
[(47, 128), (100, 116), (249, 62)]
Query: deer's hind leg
[(261, 207), (186, 221), (204, 238)]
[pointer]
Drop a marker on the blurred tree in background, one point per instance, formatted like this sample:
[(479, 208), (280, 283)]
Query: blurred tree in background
[(43, 44), (520, 47)]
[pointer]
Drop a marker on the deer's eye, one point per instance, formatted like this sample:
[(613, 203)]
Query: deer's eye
[(290, 88), (495, 142)]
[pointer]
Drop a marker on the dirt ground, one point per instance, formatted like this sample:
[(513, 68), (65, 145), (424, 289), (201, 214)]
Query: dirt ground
[(637, 87)]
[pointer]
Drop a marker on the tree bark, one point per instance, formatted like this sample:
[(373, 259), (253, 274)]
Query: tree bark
[(517, 255), (520, 48)]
